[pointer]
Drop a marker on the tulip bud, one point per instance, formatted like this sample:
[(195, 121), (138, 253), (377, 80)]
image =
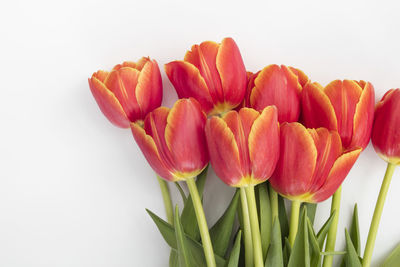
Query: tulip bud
[(312, 165), (244, 145), (279, 86), (344, 106), (173, 140), (213, 74), (386, 128), (128, 92)]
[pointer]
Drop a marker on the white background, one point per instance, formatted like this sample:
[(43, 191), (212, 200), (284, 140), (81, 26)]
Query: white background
[(73, 188)]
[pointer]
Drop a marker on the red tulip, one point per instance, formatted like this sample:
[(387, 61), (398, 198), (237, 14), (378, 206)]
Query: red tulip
[(128, 92), (312, 165), (212, 73), (244, 145), (386, 129), (344, 106), (173, 140), (279, 86)]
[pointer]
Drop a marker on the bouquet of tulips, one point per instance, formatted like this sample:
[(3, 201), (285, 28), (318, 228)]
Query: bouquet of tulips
[(272, 135)]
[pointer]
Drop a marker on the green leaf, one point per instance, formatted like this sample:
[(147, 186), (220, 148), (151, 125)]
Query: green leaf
[(188, 216), (351, 258), (173, 258), (274, 255), (183, 195), (283, 218), (287, 250), (183, 253), (355, 231), (324, 230), (300, 256), (311, 210), (265, 217), (233, 260), (332, 253), (393, 260), (221, 232), (315, 256), (196, 250)]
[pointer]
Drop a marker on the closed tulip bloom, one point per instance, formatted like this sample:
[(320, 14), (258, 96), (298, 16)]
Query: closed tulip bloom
[(386, 128), (345, 106), (244, 145), (173, 140), (212, 73), (312, 164), (279, 86), (129, 92)]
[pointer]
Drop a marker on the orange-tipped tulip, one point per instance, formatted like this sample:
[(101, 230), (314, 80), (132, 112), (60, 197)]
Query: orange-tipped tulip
[(244, 145), (279, 86), (345, 106), (212, 73), (173, 140), (386, 129), (312, 164), (128, 92)]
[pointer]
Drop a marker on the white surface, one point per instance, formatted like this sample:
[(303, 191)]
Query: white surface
[(73, 188)]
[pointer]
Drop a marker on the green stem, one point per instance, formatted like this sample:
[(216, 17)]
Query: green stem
[(255, 228), (294, 221), (331, 239), (274, 202), (201, 221), (373, 229), (248, 240), (167, 200)]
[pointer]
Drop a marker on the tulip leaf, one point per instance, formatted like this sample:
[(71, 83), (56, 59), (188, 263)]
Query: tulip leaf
[(188, 216), (300, 256), (180, 189), (274, 254), (351, 258), (183, 253), (311, 210), (287, 250), (195, 248), (173, 258), (315, 256), (324, 230), (233, 260), (393, 260), (265, 217), (355, 231), (283, 218), (221, 232)]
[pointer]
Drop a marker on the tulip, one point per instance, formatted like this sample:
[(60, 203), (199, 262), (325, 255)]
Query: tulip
[(279, 86), (311, 167), (345, 106), (386, 141), (244, 149), (174, 143), (129, 92), (212, 73)]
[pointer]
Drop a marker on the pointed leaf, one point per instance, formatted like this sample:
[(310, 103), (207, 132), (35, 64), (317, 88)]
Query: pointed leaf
[(324, 230), (183, 195), (283, 218), (300, 256), (355, 231), (221, 232), (315, 256), (265, 217), (393, 260), (286, 252), (233, 260), (183, 253), (311, 210), (351, 257), (274, 255)]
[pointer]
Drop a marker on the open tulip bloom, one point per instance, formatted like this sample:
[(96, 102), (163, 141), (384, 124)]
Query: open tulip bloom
[(273, 127)]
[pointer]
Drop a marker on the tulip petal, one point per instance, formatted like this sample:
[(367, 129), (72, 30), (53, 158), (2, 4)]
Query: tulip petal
[(296, 165), (101, 75), (150, 151), (188, 82), (317, 110), (264, 144), (302, 77), (232, 71), (344, 97), (224, 152), (338, 173), (123, 83), (185, 138), (108, 103), (363, 117), (149, 88)]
